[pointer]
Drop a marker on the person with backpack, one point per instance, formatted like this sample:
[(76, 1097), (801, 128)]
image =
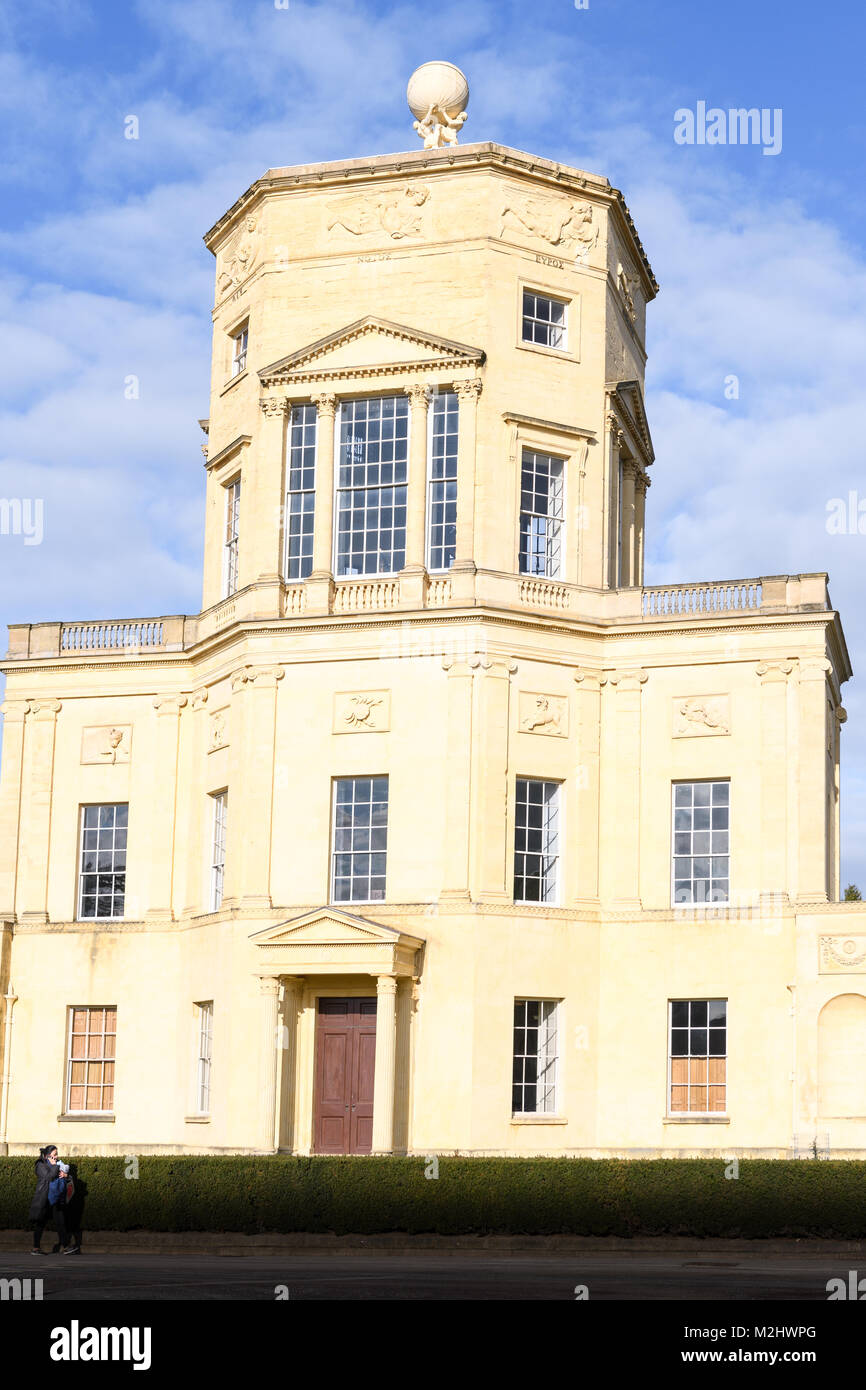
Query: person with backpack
[(49, 1199)]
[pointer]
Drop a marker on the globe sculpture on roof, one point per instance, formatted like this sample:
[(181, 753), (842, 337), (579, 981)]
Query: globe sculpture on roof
[(438, 95)]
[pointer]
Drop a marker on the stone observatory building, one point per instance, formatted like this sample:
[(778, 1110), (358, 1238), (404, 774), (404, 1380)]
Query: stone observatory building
[(436, 829)]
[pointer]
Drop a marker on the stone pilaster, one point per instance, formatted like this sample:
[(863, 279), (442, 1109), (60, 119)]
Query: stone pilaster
[(613, 443), (163, 808), (14, 715), (582, 826), (775, 830), (464, 565), (402, 1065), (320, 584), (36, 800), (622, 829), (290, 1008), (198, 825), (458, 783), (251, 790), (266, 516), (627, 540), (642, 483), (385, 1074), (490, 779), (813, 780), (269, 990)]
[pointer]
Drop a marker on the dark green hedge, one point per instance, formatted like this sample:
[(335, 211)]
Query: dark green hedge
[(532, 1196)]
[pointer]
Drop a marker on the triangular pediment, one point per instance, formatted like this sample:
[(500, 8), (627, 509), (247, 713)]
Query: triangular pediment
[(371, 346), (328, 926), (627, 395)]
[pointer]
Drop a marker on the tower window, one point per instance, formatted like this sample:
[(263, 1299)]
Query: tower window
[(533, 1085), (698, 1055), (541, 514), (230, 547), (240, 341), (536, 841), (442, 510), (301, 493), (544, 320), (701, 833), (371, 486)]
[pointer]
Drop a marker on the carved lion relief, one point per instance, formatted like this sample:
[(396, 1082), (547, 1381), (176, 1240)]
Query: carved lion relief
[(362, 711), (543, 714), (842, 954), (107, 744), (700, 716), (401, 215), (566, 225)]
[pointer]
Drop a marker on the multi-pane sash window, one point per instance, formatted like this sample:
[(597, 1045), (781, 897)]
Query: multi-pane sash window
[(533, 1089), (203, 1056), (218, 855), (698, 1055), (230, 548), (536, 841), (240, 341), (90, 1064), (541, 514), (360, 839), (102, 880), (544, 320), (701, 858), (442, 510), (301, 495), (371, 486)]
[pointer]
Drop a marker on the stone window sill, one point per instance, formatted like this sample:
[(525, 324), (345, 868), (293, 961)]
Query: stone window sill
[(85, 1119), (233, 381), (539, 1120), (196, 1119), (696, 1120)]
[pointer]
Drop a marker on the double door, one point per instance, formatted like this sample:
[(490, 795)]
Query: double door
[(345, 1067)]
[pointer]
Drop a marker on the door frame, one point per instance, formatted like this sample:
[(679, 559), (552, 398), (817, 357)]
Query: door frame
[(353, 1029)]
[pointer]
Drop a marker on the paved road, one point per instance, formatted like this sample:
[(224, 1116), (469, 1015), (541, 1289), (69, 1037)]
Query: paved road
[(427, 1276)]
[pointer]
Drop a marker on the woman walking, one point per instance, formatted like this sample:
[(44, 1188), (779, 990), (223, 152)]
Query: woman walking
[(48, 1171)]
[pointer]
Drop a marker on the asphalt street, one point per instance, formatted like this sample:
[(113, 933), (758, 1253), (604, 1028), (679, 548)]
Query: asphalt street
[(425, 1277)]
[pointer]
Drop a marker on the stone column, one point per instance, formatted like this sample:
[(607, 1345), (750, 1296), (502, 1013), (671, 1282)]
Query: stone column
[(622, 830), (492, 860), (414, 572), (611, 492), (773, 884), (320, 584), (468, 393), (401, 1066), (254, 716), (163, 804), (267, 518), (386, 1050), (813, 780), (35, 833), (14, 714), (458, 783), (10, 999), (286, 1119), (641, 485), (629, 479), (269, 987)]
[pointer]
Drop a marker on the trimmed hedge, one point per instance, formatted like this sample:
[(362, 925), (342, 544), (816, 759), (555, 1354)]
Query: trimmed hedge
[(520, 1196)]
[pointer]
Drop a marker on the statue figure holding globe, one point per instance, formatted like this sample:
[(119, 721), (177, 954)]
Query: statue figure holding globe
[(438, 95)]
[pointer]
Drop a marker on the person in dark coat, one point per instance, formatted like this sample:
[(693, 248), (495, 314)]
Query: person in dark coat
[(41, 1209)]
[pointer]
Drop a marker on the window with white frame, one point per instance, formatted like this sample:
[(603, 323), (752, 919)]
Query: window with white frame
[(544, 320), (536, 841), (218, 853), (541, 514), (442, 502), (533, 1086), (240, 343), (701, 835), (102, 876), (360, 839), (230, 547), (371, 485), (697, 1058), (90, 1061), (301, 493), (204, 1046)]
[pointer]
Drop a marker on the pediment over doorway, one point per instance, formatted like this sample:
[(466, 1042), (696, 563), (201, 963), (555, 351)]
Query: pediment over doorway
[(329, 941)]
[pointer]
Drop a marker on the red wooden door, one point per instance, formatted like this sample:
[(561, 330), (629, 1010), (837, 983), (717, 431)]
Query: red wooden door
[(345, 1067)]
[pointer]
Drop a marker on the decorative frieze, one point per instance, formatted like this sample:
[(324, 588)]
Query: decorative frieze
[(840, 955)]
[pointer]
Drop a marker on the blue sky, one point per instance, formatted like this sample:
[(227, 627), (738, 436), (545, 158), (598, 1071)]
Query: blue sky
[(103, 273)]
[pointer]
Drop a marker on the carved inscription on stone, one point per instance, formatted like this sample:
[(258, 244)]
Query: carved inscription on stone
[(362, 711), (841, 955), (701, 716), (108, 743), (543, 714)]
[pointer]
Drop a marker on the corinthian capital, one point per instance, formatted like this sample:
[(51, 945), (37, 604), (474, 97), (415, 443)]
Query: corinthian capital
[(273, 406), (325, 402)]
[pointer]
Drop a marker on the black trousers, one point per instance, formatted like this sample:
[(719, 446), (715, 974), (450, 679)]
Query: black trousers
[(59, 1214)]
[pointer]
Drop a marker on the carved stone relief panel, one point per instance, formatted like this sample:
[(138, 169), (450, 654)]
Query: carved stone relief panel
[(701, 716), (400, 214), (362, 711), (218, 730), (107, 744), (840, 955), (543, 714)]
